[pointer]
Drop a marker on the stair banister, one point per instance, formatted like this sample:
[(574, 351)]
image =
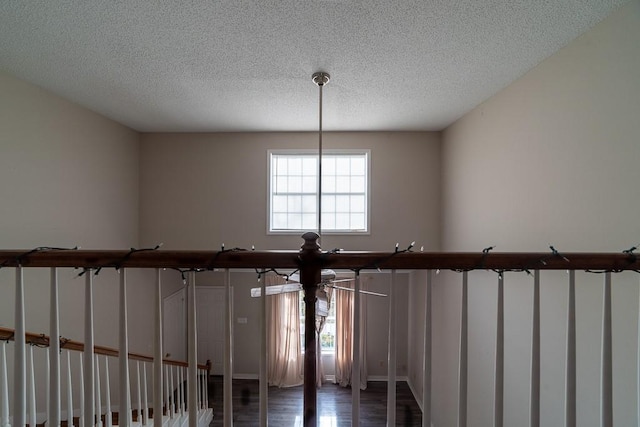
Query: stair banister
[(462, 361), (391, 358), (98, 394), (108, 416), (69, 392), (4, 386), (19, 360), (426, 379), (355, 371), (157, 355), (535, 353), (89, 370), (124, 399), (192, 372), (31, 388), (228, 352), (54, 353)]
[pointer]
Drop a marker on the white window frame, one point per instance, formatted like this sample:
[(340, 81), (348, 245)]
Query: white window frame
[(293, 152)]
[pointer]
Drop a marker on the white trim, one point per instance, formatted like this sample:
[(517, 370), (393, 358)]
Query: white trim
[(245, 376)]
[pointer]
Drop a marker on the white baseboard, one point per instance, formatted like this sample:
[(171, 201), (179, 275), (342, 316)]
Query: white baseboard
[(246, 376)]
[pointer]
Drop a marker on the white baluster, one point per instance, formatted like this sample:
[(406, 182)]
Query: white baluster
[(391, 358), (145, 402), (138, 390), (98, 397), (462, 367), (108, 416), (89, 402), (54, 353), (157, 356), (124, 418), (20, 358), (206, 390), (202, 382), (81, 420), (607, 383), (69, 392), (168, 381), (180, 389), (31, 387), (264, 390), (4, 386), (193, 354), (228, 348), (426, 385), (498, 412), (570, 386), (355, 370), (172, 396), (535, 353)]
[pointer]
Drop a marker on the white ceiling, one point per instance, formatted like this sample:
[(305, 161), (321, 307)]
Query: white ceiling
[(246, 65)]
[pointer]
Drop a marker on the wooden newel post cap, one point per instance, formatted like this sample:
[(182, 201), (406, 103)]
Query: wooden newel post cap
[(310, 242)]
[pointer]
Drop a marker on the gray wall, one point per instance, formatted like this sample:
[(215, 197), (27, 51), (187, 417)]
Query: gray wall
[(550, 160)]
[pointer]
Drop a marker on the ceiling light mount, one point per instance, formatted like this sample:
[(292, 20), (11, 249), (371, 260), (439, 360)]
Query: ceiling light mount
[(320, 78)]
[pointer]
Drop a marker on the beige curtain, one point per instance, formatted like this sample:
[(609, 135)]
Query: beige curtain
[(320, 321), (344, 336), (284, 354)]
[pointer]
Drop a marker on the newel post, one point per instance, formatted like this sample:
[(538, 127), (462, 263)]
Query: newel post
[(310, 268)]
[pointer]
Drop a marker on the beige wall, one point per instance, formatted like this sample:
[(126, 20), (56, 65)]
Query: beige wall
[(67, 177), (201, 190), (551, 160)]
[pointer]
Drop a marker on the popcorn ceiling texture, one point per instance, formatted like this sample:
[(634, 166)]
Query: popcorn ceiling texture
[(246, 65)]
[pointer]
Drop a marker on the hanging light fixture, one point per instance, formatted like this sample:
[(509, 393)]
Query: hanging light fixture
[(320, 78)]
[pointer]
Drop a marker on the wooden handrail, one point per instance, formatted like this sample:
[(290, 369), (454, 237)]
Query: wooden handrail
[(41, 340), (237, 259)]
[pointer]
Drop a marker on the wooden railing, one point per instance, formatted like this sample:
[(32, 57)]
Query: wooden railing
[(310, 260)]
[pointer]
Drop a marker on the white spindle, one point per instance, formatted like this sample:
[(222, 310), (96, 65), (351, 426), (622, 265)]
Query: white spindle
[(391, 358), (263, 354), (108, 416), (98, 410), (54, 353), (607, 384), (355, 372), (535, 353), (138, 392), (69, 392), (426, 385), (124, 418), (193, 354), (81, 419), (570, 386), (462, 366), (89, 401), (228, 349), (168, 381), (4, 386), (498, 413), (157, 356), (172, 396), (20, 358), (206, 390), (145, 402), (180, 391), (31, 388)]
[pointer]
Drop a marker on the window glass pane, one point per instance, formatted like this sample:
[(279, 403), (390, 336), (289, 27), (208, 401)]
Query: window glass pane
[(328, 204), (280, 221), (342, 184), (342, 221), (295, 221), (357, 184), (281, 184), (294, 184), (328, 165), (358, 165), (343, 166), (295, 166), (342, 203), (281, 165), (309, 184), (279, 204), (295, 203), (357, 221), (309, 204), (308, 221), (328, 221), (309, 166), (357, 204), (328, 184)]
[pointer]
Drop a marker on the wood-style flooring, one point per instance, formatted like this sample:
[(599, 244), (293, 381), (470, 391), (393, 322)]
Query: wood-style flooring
[(334, 405)]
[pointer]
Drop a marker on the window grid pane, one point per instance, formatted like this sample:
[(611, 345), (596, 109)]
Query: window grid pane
[(294, 192)]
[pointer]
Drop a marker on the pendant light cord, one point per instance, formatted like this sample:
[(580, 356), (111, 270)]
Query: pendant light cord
[(320, 166)]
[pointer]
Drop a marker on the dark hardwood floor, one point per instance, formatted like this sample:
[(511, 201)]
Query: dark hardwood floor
[(334, 405)]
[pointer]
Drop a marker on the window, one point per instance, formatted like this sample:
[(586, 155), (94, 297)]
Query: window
[(293, 191), (328, 334)]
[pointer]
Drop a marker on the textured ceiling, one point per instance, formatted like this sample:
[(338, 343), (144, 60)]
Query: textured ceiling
[(246, 65)]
